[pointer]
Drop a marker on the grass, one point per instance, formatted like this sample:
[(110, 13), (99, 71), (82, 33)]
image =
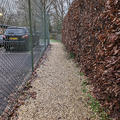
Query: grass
[(93, 103), (53, 41), (71, 55), (81, 74)]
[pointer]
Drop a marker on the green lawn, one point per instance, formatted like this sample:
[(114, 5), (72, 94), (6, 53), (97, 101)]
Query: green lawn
[(53, 41)]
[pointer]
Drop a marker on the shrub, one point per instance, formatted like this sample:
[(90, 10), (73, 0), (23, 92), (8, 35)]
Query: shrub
[(91, 30)]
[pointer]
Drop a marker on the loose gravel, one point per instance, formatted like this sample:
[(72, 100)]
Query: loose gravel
[(58, 88)]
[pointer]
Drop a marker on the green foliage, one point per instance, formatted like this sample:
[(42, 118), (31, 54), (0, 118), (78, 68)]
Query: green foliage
[(71, 55), (84, 89), (53, 41), (93, 103), (81, 74), (53, 36)]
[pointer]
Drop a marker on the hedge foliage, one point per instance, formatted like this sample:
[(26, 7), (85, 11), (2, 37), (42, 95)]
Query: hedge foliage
[(91, 31)]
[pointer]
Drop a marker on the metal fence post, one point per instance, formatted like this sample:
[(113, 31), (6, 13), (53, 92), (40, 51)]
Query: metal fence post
[(48, 29), (44, 25), (31, 34)]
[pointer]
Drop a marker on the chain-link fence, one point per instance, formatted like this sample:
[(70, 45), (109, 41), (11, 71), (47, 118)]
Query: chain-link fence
[(24, 36)]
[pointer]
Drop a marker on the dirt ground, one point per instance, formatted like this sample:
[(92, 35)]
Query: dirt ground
[(58, 88)]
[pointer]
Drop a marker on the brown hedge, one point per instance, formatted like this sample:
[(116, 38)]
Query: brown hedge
[(91, 31)]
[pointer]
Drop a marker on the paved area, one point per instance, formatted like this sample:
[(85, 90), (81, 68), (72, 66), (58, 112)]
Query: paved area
[(13, 69), (58, 88), (14, 66)]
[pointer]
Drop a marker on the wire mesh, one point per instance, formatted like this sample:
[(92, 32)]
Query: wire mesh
[(16, 47)]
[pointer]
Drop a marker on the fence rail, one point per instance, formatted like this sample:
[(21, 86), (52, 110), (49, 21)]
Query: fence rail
[(24, 36)]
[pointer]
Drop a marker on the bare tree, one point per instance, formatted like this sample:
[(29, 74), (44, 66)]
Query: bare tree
[(9, 16), (58, 11)]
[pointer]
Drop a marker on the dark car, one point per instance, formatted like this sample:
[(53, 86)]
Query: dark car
[(17, 37), (1, 40), (36, 38)]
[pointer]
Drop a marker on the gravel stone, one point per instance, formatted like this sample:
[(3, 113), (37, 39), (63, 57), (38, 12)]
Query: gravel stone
[(58, 88)]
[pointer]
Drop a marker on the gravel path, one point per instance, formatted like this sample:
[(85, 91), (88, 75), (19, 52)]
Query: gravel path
[(58, 88)]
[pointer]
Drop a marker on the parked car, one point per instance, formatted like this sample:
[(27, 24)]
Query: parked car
[(17, 37), (36, 38), (1, 40)]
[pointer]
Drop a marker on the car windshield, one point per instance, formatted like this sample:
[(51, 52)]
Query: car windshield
[(15, 31)]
